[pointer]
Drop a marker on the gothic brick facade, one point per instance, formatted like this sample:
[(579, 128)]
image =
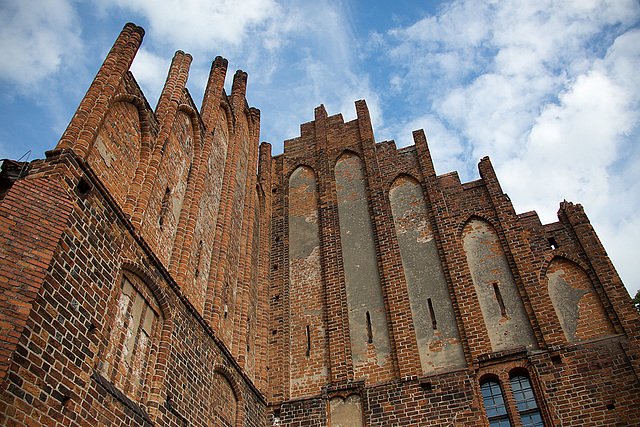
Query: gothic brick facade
[(150, 276)]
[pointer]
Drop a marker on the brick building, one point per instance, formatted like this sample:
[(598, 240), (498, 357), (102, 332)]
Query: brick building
[(150, 276)]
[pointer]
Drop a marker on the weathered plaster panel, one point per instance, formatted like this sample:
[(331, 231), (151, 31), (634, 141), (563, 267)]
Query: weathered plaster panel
[(346, 412), (369, 333), (504, 314), (575, 301), (308, 352), (435, 325)]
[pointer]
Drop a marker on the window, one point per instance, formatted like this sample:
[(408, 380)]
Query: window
[(126, 360), (526, 401), (494, 404)]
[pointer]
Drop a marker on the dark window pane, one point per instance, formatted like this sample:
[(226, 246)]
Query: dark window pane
[(493, 401), (526, 401), (523, 393), (532, 419)]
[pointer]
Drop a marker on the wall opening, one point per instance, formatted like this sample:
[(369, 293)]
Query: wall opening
[(493, 282), (496, 291), (164, 208), (432, 314)]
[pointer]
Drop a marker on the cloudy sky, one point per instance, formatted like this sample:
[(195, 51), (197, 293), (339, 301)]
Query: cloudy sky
[(550, 90)]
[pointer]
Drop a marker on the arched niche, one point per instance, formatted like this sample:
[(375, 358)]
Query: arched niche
[(172, 180), (137, 323), (225, 399), (437, 334), (368, 330), (575, 301), (115, 153), (503, 312), (185, 132), (308, 371)]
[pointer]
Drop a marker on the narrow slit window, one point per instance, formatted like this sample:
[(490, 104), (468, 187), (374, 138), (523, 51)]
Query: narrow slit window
[(164, 209), (308, 341), (432, 313), (552, 243), (198, 257), (369, 331), (496, 290), (189, 173)]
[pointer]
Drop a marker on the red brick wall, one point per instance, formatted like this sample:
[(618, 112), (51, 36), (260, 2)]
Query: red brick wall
[(521, 245), (57, 373), (32, 218)]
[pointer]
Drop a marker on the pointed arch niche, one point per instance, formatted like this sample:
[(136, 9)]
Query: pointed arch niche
[(308, 371), (368, 330), (436, 330), (116, 150), (137, 323), (502, 309), (225, 398), (575, 301)]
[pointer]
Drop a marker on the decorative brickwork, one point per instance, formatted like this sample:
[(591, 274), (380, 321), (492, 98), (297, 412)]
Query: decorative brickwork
[(149, 276)]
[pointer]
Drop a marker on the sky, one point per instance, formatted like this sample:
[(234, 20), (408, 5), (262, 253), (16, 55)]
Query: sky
[(548, 89)]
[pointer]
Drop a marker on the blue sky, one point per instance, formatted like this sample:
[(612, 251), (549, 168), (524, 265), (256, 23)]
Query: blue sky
[(550, 90)]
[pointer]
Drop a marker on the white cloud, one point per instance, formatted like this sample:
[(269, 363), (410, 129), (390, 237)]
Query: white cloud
[(150, 71), (570, 148), (549, 90), (315, 65), (36, 38), (200, 25), (584, 148)]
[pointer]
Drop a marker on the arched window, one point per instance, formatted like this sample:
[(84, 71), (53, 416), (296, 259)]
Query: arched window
[(526, 401), (494, 404)]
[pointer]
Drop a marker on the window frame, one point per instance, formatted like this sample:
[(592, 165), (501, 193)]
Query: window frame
[(528, 411), (504, 379), (491, 382)]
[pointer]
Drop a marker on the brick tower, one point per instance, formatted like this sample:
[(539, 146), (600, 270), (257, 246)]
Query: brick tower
[(149, 276)]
